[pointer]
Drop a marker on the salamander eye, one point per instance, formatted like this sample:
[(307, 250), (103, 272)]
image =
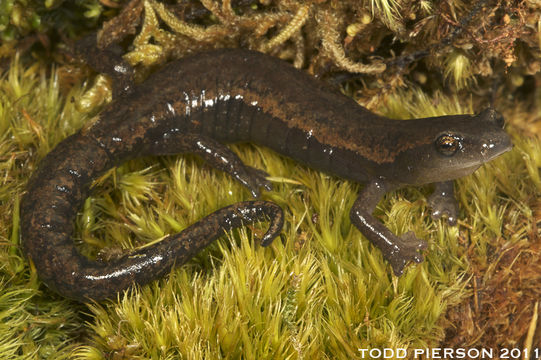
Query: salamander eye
[(448, 145)]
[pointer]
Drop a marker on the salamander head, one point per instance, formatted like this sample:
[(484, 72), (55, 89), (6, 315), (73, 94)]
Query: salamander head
[(451, 147)]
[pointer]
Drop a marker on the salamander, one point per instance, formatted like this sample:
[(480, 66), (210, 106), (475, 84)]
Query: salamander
[(201, 102)]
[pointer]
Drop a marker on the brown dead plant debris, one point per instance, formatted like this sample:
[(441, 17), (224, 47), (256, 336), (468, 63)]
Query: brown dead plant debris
[(504, 298)]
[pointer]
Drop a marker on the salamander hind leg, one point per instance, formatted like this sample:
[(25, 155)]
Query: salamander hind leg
[(222, 158)]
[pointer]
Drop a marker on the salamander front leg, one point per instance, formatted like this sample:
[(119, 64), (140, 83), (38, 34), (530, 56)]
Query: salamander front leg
[(398, 251), (443, 202)]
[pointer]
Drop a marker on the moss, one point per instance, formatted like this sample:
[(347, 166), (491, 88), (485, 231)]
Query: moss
[(321, 290)]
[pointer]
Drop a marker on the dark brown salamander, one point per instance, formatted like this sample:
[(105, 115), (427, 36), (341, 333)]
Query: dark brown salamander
[(198, 103)]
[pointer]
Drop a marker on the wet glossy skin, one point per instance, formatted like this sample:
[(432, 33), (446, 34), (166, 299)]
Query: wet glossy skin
[(196, 104)]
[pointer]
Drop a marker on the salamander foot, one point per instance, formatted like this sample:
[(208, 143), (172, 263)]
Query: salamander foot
[(256, 179), (407, 249)]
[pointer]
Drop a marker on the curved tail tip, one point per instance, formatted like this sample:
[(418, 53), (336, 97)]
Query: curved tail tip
[(275, 227)]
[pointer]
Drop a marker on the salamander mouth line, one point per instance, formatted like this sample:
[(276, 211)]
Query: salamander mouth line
[(501, 149)]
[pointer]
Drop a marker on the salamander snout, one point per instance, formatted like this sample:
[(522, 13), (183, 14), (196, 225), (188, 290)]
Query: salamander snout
[(493, 140), (494, 145)]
